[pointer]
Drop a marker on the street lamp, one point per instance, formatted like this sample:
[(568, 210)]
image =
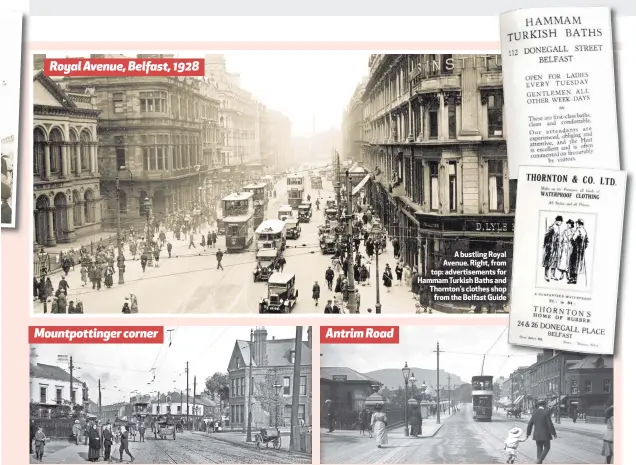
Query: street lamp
[(406, 373), (413, 381), (120, 253), (376, 230), (147, 208)]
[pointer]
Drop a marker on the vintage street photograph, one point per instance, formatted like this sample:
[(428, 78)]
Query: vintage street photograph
[(264, 188), (11, 56), (189, 400), (461, 394)]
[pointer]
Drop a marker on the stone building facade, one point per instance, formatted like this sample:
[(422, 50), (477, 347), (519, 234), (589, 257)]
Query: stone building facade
[(353, 125), (159, 135), (66, 179), (434, 138)]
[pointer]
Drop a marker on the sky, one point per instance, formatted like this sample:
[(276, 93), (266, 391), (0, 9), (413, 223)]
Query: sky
[(126, 368), (463, 349), (302, 85), (10, 57)]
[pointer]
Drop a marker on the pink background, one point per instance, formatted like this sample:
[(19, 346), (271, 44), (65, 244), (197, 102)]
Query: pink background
[(17, 257)]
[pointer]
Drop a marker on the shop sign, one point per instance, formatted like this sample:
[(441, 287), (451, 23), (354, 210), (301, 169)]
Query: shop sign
[(339, 377), (493, 225)]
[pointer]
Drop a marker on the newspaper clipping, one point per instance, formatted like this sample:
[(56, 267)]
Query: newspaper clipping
[(567, 258), (558, 69)]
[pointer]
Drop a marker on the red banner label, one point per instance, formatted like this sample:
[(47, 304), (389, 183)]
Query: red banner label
[(359, 334), (101, 67), (96, 335)]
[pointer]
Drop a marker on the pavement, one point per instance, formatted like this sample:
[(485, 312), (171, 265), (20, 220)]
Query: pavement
[(463, 440), (189, 448), (189, 283)]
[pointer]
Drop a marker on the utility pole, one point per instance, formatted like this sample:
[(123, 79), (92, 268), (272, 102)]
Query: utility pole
[(449, 395), (249, 392), (337, 186), (561, 363), (353, 301), (70, 369), (99, 397), (181, 405), (194, 403), (437, 351), (187, 393), (512, 394), (294, 439)]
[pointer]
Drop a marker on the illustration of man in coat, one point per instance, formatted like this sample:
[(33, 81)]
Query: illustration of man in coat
[(551, 241), (580, 242)]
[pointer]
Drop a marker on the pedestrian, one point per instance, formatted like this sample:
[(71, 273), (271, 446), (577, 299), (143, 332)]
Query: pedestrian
[(357, 301), (387, 278), (126, 307), (169, 249), (108, 442), (335, 308), (123, 447), (209, 239), (32, 430), (356, 273), (396, 248), (379, 424), (49, 287), (63, 286), (192, 241), (330, 415), (213, 238), (84, 274), (40, 440), (94, 444), (363, 419), (315, 292), (202, 241), (574, 412), (544, 431), (142, 432), (398, 273), (108, 277), (415, 420), (219, 257), (415, 283), (143, 261), (282, 261), (134, 306), (328, 308), (156, 253), (61, 302), (329, 274), (608, 439), (511, 444)]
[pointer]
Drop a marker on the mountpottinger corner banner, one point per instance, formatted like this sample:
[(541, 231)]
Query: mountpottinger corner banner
[(106, 67), (96, 334), (359, 334)]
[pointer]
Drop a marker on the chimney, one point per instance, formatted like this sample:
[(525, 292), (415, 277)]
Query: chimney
[(309, 337), (33, 357), (260, 346)]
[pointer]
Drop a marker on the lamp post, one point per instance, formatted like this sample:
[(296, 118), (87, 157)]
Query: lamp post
[(147, 207), (120, 253), (377, 232), (406, 373)]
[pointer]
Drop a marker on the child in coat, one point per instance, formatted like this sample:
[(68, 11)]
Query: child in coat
[(512, 443)]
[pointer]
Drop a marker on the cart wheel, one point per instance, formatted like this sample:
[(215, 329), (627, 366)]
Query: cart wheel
[(277, 443)]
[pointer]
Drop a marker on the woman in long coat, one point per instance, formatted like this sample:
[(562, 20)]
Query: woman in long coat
[(379, 423), (94, 444)]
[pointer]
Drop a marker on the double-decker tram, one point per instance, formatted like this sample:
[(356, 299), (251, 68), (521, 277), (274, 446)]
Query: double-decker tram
[(238, 219), (260, 200), (295, 189), (483, 394)]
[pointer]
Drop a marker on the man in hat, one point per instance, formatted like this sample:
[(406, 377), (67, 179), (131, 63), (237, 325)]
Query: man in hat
[(330, 416), (551, 241), (544, 430)]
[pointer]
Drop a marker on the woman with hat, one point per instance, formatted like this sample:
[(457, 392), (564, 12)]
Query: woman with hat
[(379, 424), (94, 444), (512, 443)]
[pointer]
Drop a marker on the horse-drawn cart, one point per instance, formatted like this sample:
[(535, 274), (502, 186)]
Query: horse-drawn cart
[(267, 436)]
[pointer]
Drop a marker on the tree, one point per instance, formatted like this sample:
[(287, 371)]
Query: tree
[(218, 385), (497, 390), (267, 393)]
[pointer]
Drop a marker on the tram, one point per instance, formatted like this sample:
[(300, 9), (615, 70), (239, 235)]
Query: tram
[(483, 394), (260, 201), (295, 189), (238, 218)]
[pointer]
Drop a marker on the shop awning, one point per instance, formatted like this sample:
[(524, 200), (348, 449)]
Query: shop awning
[(553, 402), (361, 184), (519, 399)]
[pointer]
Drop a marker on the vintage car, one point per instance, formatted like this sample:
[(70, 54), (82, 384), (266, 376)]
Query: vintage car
[(284, 212), (328, 243), (331, 214), (304, 212), (281, 294), (330, 203), (316, 182), (293, 228), (265, 261)]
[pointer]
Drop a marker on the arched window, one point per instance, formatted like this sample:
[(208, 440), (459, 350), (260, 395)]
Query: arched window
[(39, 141), (77, 209), (72, 152), (89, 206), (56, 140), (85, 140)]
